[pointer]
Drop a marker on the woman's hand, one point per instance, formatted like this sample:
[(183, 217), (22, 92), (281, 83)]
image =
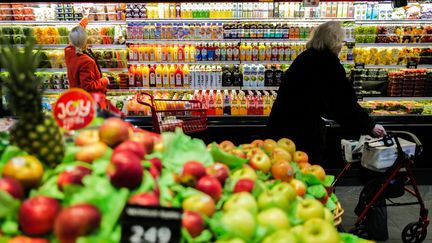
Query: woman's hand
[(378, 131)]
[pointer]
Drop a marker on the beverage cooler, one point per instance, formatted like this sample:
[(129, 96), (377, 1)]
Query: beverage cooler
[(232, 56)]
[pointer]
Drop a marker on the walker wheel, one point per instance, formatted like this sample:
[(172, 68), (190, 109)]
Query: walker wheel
[(414, 232)]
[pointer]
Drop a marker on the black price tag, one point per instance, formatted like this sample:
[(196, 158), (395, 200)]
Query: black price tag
[(412, 65), (150, 224), (359, 65)]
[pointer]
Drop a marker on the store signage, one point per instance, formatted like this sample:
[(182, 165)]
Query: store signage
[(412, 65), (310, 3), (359, 65), (74, 109), (150, 224)]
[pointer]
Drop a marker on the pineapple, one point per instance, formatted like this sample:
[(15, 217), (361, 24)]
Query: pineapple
[(36, 133)]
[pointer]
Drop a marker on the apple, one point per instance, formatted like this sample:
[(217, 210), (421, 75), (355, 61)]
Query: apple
[(239, 222), (91, 152), (283, 171), (131, 146), (299, 186), (146, 139), (257, 143), (300, 157), (287, 144), (12, 186), (72, 175), (261, 162), (157, 163), (200, 203), (114, 131), (281, 195), (25, 239), (281, 236), (193, 223), (243, 200), (191, 172), (144, 199), (125, 170), (87, 137), (310, 208), (286, 189), (273, 219), (245, 172), (250, 153), (297, 231), (76, 221), (328, 216), (28, 170), (302, 166), (318, 231), (315, 170), (269, 145), (154, 171), (244, 185), (36, 215), (211, 186), (246, 147), (279, 154), (219, 171), (237, 152), (226, 145)]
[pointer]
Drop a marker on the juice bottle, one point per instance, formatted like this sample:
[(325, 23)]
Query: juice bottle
[(146, 53), (243, 52), (165, 77), (243, 105), (267, 104), (180, 54), (255, 52), (166, 11), (140, 53), (226, 103), (234, 104), (198, 56), (210, 52), (178, 77), (186, 76), (170, 56), (164, 57), (287, 52), (208, 76), (171, 76), (229, 53), (235, 52), (146, 76), (152, 75), (217, 52), (131, 82), (268, 52), (152, 53), (248, 52), (159, 53), (159, 74), (192, 53), (219, 106), (204, 52), (223, 52), (138, 76), (186, 53), (261, 52), (274, 52), (172, 10), (175, 53), (281, 52)]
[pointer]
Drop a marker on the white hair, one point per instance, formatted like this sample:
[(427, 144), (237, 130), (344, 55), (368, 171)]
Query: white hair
[(329, 35), (78, 38)]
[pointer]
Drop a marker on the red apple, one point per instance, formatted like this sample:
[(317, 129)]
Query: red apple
[(193, 223), (238, 152), (316, 170), (226, 145), (76, 221), (146, 139), (131, 146), (300, 157), (299, 186), (72, 175), (283, 171), (144, 199), (211, 186), (114, 131), (125, 170), (219, 171), (157, 163), (269, 145), (252, 152), (12, 186), (260, 161), (200, 203), (36, 215), (302, 166), (287, 144), (280, 154), (91, 152), (25, 239), (258, 143), (154, 172), (192, 171), (244, 185), (27, 169), (87, 137)]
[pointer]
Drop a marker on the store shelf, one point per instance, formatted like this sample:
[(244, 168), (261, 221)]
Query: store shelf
[(56, 22), (171, 41), (63, 70), (133, 89), (296, 20), (395, 21), (395, 98), (393, 44), (189, 63), (398, 66), (62, 46)]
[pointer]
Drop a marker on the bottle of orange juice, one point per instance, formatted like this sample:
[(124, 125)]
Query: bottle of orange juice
[(243, 52), (146, 53), (175, 53), (131, 72), (243, 105), (218, 104), (165, 76), (146, 76), (186, 76), (164, 57), (268, 52), (170, 54), (186, 51), (248, 52), (152, 53), (234, 104), (159, 53), (159, 73), (192, 53), (261, 52), (172, 76), (141, 53)]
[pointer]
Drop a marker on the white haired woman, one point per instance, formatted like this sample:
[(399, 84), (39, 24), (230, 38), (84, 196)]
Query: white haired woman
[(315, 86)]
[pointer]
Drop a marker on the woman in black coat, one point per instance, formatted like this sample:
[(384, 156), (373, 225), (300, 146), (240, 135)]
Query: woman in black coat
[(316, 86)]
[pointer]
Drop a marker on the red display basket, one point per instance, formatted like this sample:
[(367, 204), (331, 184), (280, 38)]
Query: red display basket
[(167, 114)]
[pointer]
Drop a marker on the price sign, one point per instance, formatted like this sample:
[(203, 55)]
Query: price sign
[(150, 224), (311, 3), (359, 65), (412, 65), (74, 109)]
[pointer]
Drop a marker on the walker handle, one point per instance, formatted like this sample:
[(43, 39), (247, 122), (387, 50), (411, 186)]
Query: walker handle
[(413, 138)]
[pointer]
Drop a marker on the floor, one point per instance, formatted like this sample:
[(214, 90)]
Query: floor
[(398, 217)]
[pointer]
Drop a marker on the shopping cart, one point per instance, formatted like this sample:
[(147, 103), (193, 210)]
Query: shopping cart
[(401, 170), (169, 114)]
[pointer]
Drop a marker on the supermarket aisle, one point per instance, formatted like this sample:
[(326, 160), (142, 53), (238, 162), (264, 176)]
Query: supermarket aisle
[(398, 217)]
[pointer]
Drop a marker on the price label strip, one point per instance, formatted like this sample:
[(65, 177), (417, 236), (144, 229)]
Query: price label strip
[(151, 224), (412, 65)]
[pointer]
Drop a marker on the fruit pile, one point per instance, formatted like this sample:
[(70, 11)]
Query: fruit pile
[(265, 191)]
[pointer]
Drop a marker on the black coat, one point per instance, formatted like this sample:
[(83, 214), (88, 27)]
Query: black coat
[(315, 86)]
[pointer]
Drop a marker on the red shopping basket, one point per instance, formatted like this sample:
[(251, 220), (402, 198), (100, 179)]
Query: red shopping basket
[(168, 114)]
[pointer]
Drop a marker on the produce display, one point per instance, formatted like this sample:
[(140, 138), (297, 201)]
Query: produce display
[(392, 55), (397, 107), (393, 34)]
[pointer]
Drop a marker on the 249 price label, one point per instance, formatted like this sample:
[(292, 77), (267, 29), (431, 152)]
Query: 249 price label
[(151, 235)]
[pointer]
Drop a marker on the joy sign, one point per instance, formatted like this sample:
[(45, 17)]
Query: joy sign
[(74, 109)]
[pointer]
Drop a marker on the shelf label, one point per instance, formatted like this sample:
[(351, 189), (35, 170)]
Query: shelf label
[(412, 65), (74, 109), (150, 224), (359, 65)]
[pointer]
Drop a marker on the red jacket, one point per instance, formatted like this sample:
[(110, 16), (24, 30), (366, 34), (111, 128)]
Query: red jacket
[(90, 79)]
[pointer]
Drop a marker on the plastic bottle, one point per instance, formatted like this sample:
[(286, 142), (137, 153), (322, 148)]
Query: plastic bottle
[(159, 74), (152, 76), (152, 53), (255, 52), (211, 105), (198, 56), (261, 75), (175, 53), (171, 72), (165, 77), (186, 53), (217, 52), (226, 103), (268, 52), (178, 77), (237, 76), (261, 52), (159, 53), (243, 52), (226, 76), (192, 53), (131, 82), (204, 52), (186, 76), (145, 76), (235, 103), (248, 52), (243, 105), (181, 55), (246, 75), (223, 52), (281, 52), (259, 105), (254, 75), (267, 104), (229, 52), (138, 76), (170, 56)]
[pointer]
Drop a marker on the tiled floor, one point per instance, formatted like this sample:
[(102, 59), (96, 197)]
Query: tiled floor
[(398, 217)]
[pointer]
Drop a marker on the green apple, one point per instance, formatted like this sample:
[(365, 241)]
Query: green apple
[(239, 222), (281, 236), (270, 199), (232, 240), (243, 200), (245, 172), (286, 189), (328, 216), (318, 231), (273, 219), (200, 203), (297, 231), (310, 208)]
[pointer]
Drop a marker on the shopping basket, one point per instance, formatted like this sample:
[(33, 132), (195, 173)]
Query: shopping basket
[(169, 114)]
